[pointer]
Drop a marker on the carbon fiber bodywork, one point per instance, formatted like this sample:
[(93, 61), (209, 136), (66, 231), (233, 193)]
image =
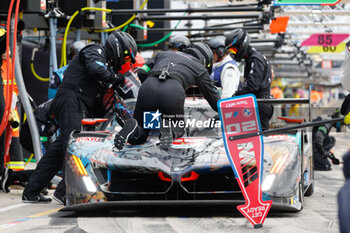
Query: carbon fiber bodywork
[(195, 170)]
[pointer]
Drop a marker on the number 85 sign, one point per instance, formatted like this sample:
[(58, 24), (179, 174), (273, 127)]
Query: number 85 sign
[(327, 39)]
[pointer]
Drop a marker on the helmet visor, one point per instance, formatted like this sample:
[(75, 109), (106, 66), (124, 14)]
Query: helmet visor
[(233, 50), (127, 59), (131, 56)]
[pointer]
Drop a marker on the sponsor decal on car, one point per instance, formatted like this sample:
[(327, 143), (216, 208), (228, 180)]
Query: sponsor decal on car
[(88, 139)]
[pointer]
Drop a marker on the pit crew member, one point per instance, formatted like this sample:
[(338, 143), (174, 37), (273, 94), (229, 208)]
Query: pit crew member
[(178, 43), (257, 72), (165, 78), (88, 75), (225, 71)]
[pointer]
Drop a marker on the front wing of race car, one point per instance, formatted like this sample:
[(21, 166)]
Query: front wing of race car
[(194, 171)]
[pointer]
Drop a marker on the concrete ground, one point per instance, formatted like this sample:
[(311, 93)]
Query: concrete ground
[(319, 213)]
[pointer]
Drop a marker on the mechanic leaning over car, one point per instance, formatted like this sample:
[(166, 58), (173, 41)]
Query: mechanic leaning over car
[(225, 71), (87, 77), (322, 143), (257, 72), (165, 79)]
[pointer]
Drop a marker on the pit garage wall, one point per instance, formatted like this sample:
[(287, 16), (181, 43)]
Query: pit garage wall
[(138, 34), (37, 89)]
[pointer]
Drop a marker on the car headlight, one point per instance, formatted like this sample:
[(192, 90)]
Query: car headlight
[(268, 181)]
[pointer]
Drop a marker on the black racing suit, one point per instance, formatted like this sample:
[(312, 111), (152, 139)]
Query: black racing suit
[(322, 144), (257, 81), (85, 78), (46, 126), (181, 71)]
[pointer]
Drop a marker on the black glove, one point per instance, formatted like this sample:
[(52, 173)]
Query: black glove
[(117, 79), (336, 114), (142, 74), (334, 160), (42, 112), (121, 78)]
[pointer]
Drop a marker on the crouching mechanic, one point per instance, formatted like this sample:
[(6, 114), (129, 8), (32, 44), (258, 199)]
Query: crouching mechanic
[(323, 143), (88, 75), (257, 72), (46, 127), (225, 71), (165, 78)]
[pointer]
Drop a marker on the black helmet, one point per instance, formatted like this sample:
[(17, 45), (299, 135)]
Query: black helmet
[(2, 40), (120, 48), (202, 52), (217, 44), (75, 48), (237, 42), (179, 42)]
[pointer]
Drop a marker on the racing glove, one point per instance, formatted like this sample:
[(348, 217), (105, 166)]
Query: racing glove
[(336, 114), (142, 72), (117, 78), (334, 160), (347, 119)]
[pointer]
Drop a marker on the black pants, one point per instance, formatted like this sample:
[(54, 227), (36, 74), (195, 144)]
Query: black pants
[(265, 114), (321, 162), (167, 96), (22, 176), (68, 111)]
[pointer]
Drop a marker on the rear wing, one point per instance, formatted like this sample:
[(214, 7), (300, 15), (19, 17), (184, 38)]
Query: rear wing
[(288, 101), (193, 91)]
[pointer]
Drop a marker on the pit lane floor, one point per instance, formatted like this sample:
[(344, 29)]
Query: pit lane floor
[(319, 213)]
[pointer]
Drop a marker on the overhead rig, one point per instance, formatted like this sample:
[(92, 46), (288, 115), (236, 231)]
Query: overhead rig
[(151, 27), (40, 16)]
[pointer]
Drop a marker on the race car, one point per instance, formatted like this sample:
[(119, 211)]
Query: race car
[(194, 171)]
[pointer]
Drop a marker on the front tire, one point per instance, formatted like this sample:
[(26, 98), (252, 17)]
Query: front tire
[(310, 190)]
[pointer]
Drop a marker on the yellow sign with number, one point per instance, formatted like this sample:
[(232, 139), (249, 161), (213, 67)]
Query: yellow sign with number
[(327, 49)]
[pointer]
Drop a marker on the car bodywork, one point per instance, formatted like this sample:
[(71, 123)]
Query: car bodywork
[(194, 171)]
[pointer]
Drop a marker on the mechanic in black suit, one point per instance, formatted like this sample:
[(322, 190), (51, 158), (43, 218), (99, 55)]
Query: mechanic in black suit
[(87, 77), (257, 72), (165, 79), (322, 143)]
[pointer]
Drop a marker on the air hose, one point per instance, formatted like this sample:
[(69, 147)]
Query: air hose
[(32, 67), (63, 52), (153, 43)]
